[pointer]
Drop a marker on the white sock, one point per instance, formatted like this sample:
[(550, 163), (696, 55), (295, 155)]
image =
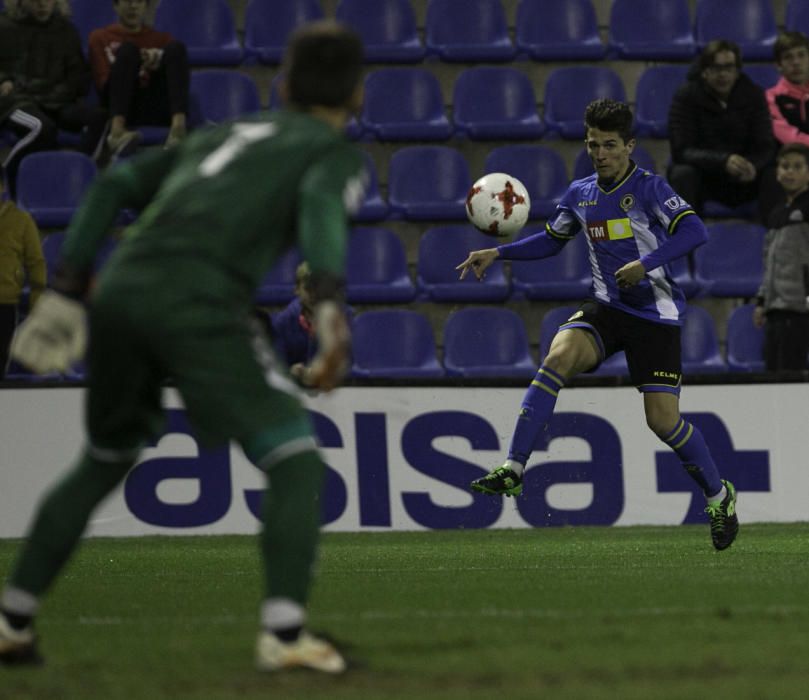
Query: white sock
[(516, 467), (719, 497), (281, 613)]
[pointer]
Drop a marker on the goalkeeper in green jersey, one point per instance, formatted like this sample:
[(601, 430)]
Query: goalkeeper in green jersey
[(175, 301)]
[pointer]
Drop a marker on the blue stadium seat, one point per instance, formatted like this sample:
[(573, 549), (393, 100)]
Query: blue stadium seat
[(730, 263), (387, 28), (88, 15), (487, 342), (495, 102), (217, 95), (50, 185), (394, 343), (373, 207), (655, 90), (541, 169), (583, 166), (441, 249), (564, 107), (748, 23), (700, 344), (428, 182), (404, 104), (684, 277), (765, 75), (278, 285), (376, 268), (797, 16), (745, 342), (206, 27), (268, 24), (657, 30), (712, 209), (563, 276), (467, 31), (563, 30)]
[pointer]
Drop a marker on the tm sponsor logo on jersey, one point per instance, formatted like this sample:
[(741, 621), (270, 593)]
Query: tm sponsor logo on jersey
[(609, 230)]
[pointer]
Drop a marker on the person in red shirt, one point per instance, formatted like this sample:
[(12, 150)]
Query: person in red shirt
[(142, 76)]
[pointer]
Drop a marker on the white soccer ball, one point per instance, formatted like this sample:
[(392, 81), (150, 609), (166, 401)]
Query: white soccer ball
[(498, 204)]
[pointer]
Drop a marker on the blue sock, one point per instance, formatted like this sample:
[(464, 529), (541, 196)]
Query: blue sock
[(536, 410), (687, 442)]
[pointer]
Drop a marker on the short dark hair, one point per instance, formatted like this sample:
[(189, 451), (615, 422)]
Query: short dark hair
[(708, 54), (799, 149), (609, 115), (323, 64), (787, 41)]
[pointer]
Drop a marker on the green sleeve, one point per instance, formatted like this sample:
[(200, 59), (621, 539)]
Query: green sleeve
[(325, 193), (131, 184)]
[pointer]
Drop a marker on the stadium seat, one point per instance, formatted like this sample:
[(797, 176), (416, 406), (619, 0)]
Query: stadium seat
[(730, 263), (712, 209), (206, 27), (441, 249), (376, 268), (373, 207), (745, 342), (387, 28), (268, 24), (655, 90), (467, 31), (700, 344), (564, 30), (394, 343), (565, 276), (487, 342), (748, 23), (50, 185), (681, 271), (428, 182), (88, 15), (765, 75), (541, 169), (583, 166), (404, 104), (217, 95), (797, 16), (495, 102), (657, 30), (278, 285), (564, 108)]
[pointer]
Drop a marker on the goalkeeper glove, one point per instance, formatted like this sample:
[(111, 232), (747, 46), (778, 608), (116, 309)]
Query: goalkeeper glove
[(53, 336), (330, 364)]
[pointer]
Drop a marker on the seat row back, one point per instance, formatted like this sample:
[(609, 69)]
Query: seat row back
[(544, 31)]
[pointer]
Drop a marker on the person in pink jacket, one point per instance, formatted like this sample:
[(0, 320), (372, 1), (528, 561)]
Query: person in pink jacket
[(788, 99)]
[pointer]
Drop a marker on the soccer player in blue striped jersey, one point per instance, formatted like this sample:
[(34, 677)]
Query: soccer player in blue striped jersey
[(636, 226)]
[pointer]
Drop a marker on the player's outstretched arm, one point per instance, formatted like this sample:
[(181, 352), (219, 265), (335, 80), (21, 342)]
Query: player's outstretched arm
[(478, 261)]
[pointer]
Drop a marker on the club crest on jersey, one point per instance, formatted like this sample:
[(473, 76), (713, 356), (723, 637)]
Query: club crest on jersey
[(627, 202), (609, 230), (675, 202)]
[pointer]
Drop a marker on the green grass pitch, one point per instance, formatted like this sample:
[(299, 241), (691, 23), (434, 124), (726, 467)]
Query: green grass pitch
[(578, 613)]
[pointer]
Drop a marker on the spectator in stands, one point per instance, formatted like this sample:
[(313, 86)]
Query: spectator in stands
[(782, 303), (788, 98), (292, 329), (20, 259), (722, 147), (43, 77), (142, 76)]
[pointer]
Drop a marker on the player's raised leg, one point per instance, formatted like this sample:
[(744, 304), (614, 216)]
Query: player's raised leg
[(573, 350)]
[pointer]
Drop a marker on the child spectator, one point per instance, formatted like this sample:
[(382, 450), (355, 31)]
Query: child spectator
[(20, 258), (142, 76), (788, 98), (722, 145), (782, 304), (43, 76)]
